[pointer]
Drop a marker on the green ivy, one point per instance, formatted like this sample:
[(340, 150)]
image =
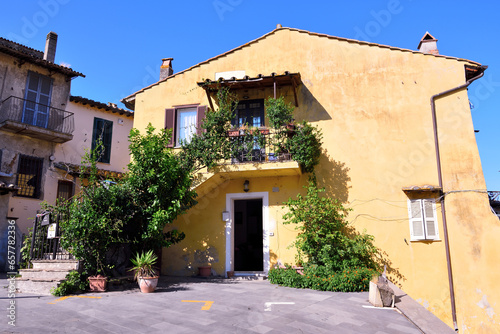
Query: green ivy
[(325, 238), (305, 146), (74, 283)]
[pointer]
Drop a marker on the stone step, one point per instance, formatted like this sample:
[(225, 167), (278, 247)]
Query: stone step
[(40, 274), (39, 287), (55, 264)]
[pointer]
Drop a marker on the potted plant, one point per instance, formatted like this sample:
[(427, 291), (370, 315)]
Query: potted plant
[(205, 271), (233, 131), (279, 113), (145, 273), (98, 283), (263, 130)]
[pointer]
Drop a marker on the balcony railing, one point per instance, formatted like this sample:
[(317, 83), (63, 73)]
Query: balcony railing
[(15, 111), (259, 145)]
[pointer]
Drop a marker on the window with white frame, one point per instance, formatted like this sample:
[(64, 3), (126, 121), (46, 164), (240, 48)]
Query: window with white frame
[(423, 219), (186, 125), (184, 121)]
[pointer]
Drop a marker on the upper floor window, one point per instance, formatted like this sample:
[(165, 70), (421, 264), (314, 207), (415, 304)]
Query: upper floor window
[(185, 125), (184, 121), (37, 100), (103, 131), (29, 176), (423, 221), (249, 112)]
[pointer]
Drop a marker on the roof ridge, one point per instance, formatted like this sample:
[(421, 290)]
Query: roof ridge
[(24, 46), (99, 105), (123, 100)]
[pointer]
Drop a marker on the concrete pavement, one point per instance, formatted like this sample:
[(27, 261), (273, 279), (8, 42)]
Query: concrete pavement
[(197, 305)]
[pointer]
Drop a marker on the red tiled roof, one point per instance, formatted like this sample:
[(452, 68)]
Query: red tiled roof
[(33, 56), (99, 105), (300, 31)]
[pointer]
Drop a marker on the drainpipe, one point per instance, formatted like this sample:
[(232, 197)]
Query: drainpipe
[(440, 178)]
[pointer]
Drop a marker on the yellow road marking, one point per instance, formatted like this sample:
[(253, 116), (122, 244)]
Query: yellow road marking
[(66, 297), (206, 307)]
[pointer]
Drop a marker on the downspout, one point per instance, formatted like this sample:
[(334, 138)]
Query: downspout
[(440, 178)]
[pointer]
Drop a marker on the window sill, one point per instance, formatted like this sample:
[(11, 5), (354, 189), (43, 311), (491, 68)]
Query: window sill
[(425, 240)]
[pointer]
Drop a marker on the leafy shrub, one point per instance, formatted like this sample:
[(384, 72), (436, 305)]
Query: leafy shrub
[(325, 238), (74, 282), (305, 146), (278, 112), (320, 278)]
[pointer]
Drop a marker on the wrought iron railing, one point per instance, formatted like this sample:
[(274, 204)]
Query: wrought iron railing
[(28, 112), (259, 145), (45, 240)]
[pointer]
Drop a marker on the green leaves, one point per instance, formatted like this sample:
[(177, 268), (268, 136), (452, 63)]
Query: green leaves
[(325, 238)]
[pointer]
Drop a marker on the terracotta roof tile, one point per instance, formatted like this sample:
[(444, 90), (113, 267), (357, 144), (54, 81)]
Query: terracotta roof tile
[(124, 100)]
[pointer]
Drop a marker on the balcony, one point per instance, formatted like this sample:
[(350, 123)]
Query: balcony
[(36, 120), (255, 153)]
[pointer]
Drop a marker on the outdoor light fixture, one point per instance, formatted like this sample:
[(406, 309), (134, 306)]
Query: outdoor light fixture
[(245, 186)]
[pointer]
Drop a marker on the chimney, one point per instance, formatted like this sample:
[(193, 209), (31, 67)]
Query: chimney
[(428, 44), (166, 68), (50, 47)]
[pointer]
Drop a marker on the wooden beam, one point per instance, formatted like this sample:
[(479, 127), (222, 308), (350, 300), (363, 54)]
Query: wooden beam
[(209, 99)]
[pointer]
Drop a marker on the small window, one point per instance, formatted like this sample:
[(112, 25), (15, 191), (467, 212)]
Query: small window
[(185, 122), (423, 221), (186, 126), (29, 176), (103, 131), (64, 190)]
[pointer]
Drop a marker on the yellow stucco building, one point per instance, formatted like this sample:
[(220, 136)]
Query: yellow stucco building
[(374, 105)]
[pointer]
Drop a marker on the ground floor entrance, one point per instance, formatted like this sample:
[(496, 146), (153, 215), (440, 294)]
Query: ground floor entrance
[(247, 233)]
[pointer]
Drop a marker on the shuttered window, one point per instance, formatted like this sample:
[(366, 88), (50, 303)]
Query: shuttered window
[(423, 221), (103, 131), (184, 122), (37, 96), (29, 176)]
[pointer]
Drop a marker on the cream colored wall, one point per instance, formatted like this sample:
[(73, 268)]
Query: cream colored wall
[(73, 150), (373, 107), (70, 152)]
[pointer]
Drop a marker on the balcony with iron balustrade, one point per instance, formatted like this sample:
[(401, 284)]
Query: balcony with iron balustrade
[(36, 120), (253, 156)]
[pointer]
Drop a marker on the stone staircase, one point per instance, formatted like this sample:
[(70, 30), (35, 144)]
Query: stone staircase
[(44, 276)]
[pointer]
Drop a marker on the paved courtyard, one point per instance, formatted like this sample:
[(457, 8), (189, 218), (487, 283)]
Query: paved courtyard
[(196, 305)]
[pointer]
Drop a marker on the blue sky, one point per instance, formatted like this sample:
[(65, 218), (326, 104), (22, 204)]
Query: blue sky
[(118, 45)]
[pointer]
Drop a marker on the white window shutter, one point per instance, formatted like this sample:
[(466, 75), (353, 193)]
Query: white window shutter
[(431, 226), (416, 220)]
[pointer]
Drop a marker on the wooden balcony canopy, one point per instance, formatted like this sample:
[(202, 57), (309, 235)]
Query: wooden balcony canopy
[(261, 81)]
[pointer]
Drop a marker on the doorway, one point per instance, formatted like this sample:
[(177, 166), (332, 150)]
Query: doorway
[(248, 235)]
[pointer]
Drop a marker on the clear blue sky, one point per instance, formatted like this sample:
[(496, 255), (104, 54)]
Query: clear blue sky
[(118, 45)]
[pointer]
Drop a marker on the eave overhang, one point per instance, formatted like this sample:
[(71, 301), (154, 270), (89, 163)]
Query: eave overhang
[(260, 81)]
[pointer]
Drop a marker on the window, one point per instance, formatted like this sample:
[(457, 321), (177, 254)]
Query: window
[(185, 125), (37, 96), (64, 189), (249, 113), (103, 131), (184, 120), (423, 221), (29, 176)]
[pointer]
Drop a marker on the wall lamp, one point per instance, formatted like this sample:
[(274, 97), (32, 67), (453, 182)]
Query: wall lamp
[(246, 184)]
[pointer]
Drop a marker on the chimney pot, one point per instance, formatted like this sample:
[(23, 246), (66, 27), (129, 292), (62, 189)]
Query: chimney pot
[(428, 44), (278, 26), (166, 68), (50, 47)]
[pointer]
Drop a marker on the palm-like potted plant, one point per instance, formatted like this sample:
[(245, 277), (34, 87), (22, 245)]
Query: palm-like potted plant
[(145, 273)]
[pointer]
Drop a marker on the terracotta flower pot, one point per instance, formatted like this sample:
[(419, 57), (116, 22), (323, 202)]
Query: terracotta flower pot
[(205, 271), (98, 283), (147, 284)]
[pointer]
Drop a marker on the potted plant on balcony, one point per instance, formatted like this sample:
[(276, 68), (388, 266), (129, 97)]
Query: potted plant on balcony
[(279, 113), (145, 273), (234, 131)]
